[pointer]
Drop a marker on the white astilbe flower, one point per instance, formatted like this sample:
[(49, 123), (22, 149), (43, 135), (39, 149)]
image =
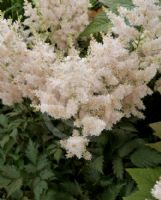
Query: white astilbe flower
[(95, 91), (92, 126), (76, 146), (146, 15), (22, 70), (64, 19), (122, 68), (36, 70), (156, 191), (12, 55), (70, 85)]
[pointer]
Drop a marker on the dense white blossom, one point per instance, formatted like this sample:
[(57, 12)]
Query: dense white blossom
[(156, 191), (95, 91), (64, 19), (76, 146), (23, 70)]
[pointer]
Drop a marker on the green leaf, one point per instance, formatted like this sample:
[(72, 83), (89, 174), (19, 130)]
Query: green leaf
[(25, 198), (30, 168), (95, 3), (14, 186), (39, 187), (46, 174), (114, 4), (145, 179), (4, 140), (129, 147), (32, 152), (72, 188), (3, 120), (4, 182), (10, 171), (58, 154), (118, 167), (14, 133), (97, 164), (157, 128), (156, 146), (112, 192), (145, 157), (157, 132), (100, 24), (49, 195), (42, 162)]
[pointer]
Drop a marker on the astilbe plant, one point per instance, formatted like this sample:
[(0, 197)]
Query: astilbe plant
[(96, 91)]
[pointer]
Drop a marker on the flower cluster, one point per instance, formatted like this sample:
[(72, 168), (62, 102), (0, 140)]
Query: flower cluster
[(156, 191), (95, 91), (63, 19), (23, 70)]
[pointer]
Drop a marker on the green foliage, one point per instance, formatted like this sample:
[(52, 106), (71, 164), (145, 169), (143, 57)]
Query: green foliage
[(12, 8), (146, 157), (33, 166), (95, 4), (118, 168), (32, 152), (157, 128), (112, 192), (114, 4), (145, 179), (157, 132), (99, 24), (97, 164)]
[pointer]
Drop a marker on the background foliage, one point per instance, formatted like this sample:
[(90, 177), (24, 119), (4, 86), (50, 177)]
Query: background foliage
[(33, 167)]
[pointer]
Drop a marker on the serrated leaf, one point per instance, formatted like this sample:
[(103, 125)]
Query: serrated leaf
[(32, 152), (146, 157), (46, 174), (10, 171), (4, 140), (144, 176), (17, 195), (25, 198), (3, 120), (138, 196), (39, 187), (30, 168), (100, 24), (97, 164), (42, 162), (112, 192), (156, 146), (129, 188), (129, 147), (14, 186), (58, 154), (114, 4), (72, 188), (14, 133), (4, 182), (50, 195), (157, 128), (95, 3), (145, 179), (118, 167)]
